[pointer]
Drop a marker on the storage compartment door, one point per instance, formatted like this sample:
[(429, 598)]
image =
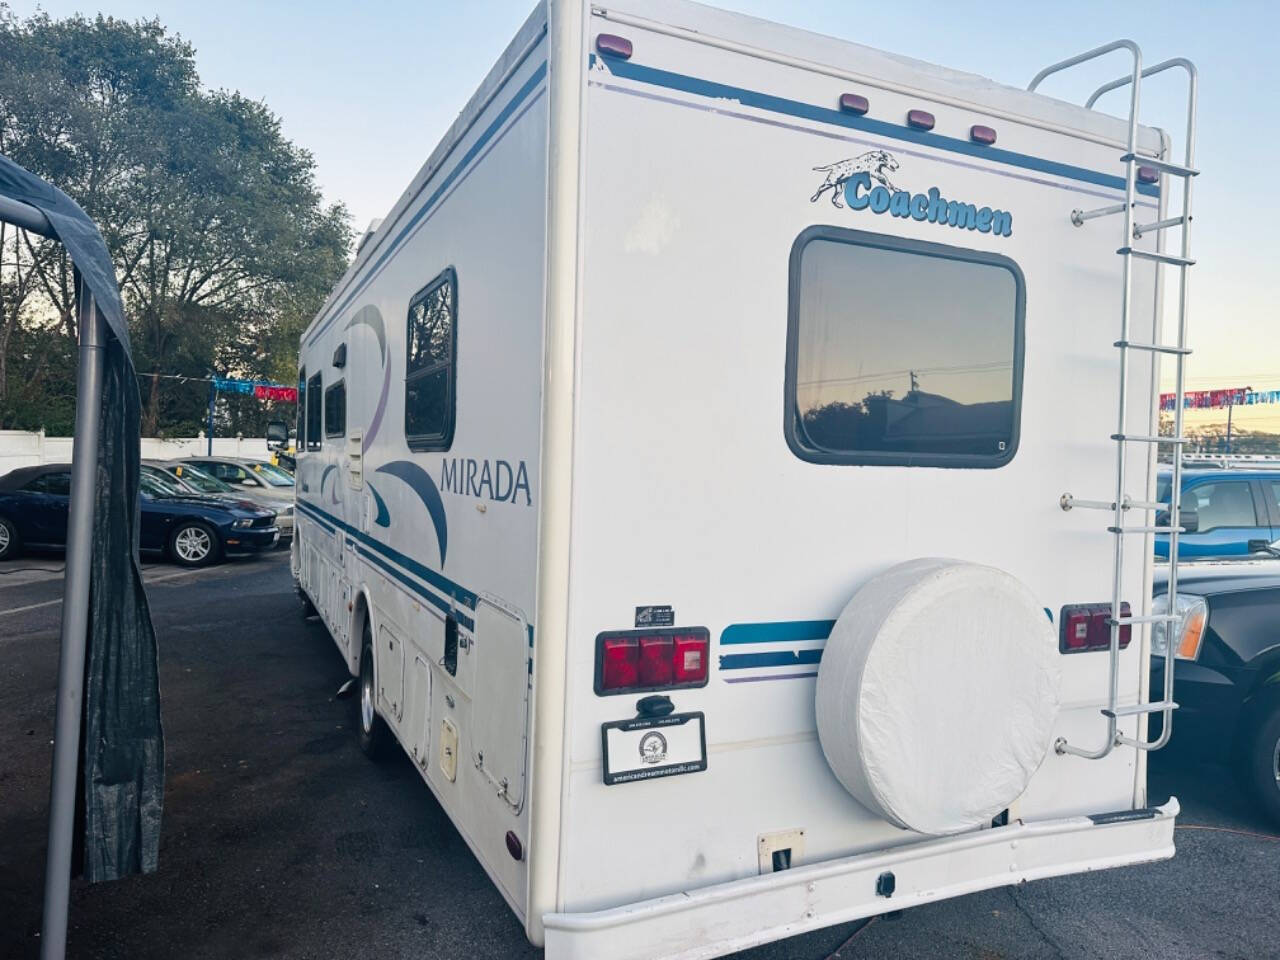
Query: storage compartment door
[(501, 699), (390, 655)]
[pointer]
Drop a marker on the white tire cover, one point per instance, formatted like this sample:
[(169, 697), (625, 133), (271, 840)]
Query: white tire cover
[(937, 694)]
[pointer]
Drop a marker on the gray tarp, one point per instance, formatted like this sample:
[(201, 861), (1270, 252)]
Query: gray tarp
[(122, 744)]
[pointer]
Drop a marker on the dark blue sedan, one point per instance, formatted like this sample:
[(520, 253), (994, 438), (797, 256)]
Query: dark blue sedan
[(190, 530)]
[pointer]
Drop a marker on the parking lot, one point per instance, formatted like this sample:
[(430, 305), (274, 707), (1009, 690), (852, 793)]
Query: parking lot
[(281, 840)]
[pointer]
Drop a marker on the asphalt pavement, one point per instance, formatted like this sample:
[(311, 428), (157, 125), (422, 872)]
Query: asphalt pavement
[(281, 840)]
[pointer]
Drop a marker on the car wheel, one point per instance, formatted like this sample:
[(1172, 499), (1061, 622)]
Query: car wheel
[(375, 738), (1262, 765), (10, 542), (194, 544)]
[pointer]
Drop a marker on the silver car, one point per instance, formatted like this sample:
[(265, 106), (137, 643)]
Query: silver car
[(256, 479)]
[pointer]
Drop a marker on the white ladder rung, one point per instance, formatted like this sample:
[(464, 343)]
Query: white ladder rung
[(1152, 347), (1078, 217), (1158, 257), (1067, 502), (1139, 438), (1140, 708), (1145, 530), (1177, 169), (1140, 228), (1149, 618)]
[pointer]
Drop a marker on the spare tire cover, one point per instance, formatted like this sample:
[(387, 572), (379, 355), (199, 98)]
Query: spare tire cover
[(937, 694)]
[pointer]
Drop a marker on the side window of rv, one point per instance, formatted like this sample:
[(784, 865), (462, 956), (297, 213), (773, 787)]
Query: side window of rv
[(901, 352), (335, 409), (431, 365), (300, 439), (313, 413)]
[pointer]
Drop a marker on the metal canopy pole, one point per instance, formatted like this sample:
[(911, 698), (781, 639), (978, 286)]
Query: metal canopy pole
[(75, 626)]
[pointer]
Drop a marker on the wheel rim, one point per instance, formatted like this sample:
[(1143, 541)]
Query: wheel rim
[(4, 538), (366, 696), (192, 544)]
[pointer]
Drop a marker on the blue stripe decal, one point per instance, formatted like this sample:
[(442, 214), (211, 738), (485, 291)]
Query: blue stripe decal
[(484, 138), (323, 523), (463, 620), (776, 658), (786, 631), (460, 593), (763, 101)]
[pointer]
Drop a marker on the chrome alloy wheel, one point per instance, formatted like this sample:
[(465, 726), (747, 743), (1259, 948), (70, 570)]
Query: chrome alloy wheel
[(193, 544)]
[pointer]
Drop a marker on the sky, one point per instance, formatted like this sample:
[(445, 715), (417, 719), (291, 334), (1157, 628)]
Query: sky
[(369, 88)]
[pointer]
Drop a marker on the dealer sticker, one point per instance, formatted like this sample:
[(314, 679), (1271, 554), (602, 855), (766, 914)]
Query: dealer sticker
[(647, 748), (661, 615)]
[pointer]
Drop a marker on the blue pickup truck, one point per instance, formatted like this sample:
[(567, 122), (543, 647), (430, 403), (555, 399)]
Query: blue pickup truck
[(1228, 512)]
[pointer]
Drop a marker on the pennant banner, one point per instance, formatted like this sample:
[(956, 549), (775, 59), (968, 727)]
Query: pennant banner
[(1214, 399), (254, 388)]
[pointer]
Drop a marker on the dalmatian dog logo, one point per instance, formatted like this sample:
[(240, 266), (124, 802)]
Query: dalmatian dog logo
[(873, 163)]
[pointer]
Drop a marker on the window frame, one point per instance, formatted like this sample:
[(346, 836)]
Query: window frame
[(300, 432), (316, 442), (865, 238), (444, 440), (341, 431)]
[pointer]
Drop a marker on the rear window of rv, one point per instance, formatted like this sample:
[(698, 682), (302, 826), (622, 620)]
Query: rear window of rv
[(901, 352), (430, 365)]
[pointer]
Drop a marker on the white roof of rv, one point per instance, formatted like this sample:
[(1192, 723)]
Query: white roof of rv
[(779, 43)]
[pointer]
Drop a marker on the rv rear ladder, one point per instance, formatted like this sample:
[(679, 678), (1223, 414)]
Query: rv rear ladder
[(1121, 502)]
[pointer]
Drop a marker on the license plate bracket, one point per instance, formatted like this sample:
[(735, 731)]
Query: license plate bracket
[(648, 748)]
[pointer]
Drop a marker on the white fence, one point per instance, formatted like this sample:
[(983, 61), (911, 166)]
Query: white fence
[(19, 448)]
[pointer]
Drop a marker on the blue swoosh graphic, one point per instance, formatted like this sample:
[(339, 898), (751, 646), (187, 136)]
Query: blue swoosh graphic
[(420, 482), (371, 318), (383, 519), (325, 476)]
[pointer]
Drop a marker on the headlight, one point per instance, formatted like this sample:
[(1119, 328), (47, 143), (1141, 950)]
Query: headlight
[(1188, 631), (242, 524)]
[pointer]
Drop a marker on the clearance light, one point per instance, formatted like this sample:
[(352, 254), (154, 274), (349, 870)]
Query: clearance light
[(642, 660), (1084, 626), (1188, 632), (983, 135), (614, 46), (854, 103), (920, 119), (1148, 174)]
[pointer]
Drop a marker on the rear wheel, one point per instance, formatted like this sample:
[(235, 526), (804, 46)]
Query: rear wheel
[(10, 543), (1262, 764), (375, 738), (194, 544)]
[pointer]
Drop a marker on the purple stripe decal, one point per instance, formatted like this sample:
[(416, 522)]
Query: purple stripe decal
[(382, 405)]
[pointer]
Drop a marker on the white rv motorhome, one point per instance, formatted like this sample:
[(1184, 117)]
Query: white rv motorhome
[(708, 468)]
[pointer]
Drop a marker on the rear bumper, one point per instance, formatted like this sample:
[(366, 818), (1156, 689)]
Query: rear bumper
[(721, 919)]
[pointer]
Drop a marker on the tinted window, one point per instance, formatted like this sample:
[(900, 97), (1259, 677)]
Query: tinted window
[(300, 440), (902, 352), (335, 409), (58, 484), (1225, 504), (1273, 491), (313, 413), (430, 365), (198, 478)]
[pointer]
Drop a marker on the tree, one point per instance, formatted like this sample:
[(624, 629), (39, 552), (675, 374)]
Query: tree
[(222, 243)]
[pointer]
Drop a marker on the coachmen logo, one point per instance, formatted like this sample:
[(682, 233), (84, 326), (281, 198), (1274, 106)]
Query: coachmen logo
[(852, 180)]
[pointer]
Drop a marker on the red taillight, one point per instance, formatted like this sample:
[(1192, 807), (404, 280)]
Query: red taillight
[(652, 660), (1084, 626), (620, 663), (691, 652), (656, 668)]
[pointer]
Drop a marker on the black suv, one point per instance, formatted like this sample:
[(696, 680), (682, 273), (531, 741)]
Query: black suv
[(1227, 672)]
